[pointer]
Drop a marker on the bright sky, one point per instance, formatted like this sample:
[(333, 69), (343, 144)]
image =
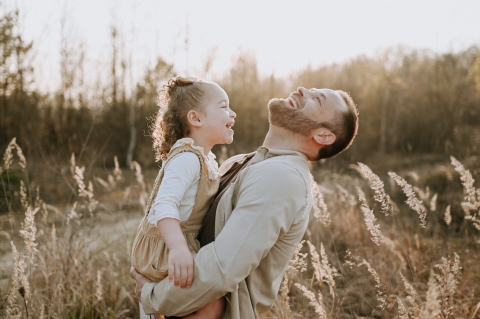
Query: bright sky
[(284, 35)]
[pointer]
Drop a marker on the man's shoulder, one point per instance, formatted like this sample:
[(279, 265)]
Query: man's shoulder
[(288, 178), (280, 170), (285, 163)]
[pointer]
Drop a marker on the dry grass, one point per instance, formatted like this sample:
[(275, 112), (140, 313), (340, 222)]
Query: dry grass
[(73, 261), (390, 263), (370, 251)]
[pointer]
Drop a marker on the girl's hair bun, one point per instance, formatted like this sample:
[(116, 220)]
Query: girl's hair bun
[(179, 81)]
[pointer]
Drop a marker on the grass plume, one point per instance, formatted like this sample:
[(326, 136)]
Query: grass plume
[(412, 201), (377, 186)]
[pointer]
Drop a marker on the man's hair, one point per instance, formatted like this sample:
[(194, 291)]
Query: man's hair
[(344, 127)]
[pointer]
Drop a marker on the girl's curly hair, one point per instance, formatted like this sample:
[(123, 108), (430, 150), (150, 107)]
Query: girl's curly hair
[(178, 96)]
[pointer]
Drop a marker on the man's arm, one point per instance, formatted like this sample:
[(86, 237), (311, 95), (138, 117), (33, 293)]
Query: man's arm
[(269, 199)]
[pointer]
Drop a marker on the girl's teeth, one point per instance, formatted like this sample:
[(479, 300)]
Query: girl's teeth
[(292, 102)]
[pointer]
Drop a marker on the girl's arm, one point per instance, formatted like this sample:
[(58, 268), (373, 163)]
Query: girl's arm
[(180, 259), (176, 190), (180, 174)]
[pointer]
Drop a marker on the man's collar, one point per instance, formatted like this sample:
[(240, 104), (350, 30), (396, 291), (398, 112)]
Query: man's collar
[(261, 154), (264, 153)]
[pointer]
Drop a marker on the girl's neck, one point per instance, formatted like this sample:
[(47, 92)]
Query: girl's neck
[(201, 141)]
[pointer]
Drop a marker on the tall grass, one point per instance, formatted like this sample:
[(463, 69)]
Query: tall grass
[(381, 262), (73, 261), (373, 249)]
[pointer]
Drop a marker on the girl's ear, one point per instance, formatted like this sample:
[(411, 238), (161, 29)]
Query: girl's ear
[(193, 119)]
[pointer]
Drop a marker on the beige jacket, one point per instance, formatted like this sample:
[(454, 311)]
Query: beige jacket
[(260, 221)]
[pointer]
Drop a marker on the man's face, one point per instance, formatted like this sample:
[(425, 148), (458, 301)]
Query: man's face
[(305, 110)]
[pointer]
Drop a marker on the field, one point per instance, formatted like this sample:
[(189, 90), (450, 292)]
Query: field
[(379, 244)]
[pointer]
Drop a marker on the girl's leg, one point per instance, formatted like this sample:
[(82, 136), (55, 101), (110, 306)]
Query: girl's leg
[(212, 310)]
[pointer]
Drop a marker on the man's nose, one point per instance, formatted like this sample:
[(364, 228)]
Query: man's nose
[(301, 90)]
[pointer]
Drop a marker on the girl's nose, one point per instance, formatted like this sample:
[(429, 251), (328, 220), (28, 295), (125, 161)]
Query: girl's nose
[(233, 114), (301, 90)]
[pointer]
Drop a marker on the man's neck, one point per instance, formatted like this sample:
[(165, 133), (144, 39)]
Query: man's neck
[(281, 139)]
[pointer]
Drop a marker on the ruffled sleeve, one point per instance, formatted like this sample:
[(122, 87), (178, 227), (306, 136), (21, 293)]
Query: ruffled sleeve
[(209, 160)]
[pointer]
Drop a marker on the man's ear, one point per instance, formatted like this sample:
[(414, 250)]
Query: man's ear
[(324, 136), (193, 118)]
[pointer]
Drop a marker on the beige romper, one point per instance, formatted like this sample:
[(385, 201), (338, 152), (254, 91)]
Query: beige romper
[(149, 253)]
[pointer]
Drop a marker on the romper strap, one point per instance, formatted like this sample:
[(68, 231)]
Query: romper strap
[(161, 173), (153, 194)]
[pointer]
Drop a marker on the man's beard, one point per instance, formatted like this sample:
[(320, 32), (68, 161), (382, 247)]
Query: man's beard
[(282, 115)]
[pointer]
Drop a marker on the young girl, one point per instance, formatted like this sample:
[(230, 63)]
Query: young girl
[(195, 116)]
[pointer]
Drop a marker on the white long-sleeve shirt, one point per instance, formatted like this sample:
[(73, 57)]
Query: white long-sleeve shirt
[(179, 186)]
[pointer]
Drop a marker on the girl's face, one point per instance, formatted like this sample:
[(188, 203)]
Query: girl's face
[(216, 116)]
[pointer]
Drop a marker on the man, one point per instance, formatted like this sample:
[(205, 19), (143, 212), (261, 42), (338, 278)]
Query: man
[(262, 214)]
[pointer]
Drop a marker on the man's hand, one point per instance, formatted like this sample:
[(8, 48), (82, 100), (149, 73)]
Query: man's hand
[(140, 281), (180, 266)]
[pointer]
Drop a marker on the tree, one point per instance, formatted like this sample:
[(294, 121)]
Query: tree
[(15, 73)]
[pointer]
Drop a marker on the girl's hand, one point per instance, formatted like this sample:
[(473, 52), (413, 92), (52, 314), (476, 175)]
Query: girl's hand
[(180, 266), (180, 259)]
